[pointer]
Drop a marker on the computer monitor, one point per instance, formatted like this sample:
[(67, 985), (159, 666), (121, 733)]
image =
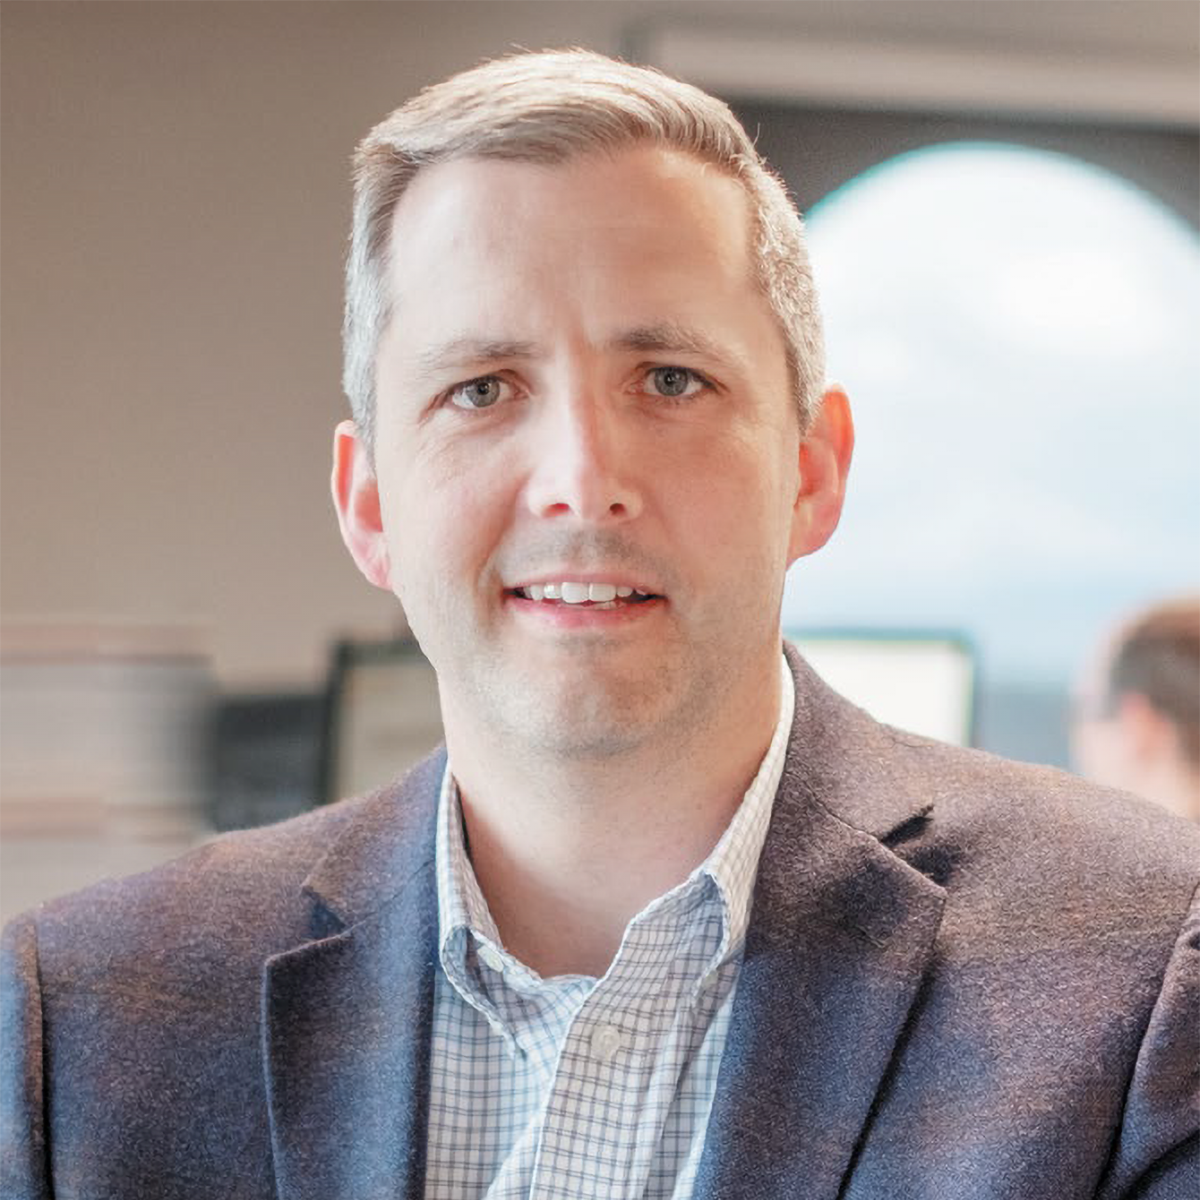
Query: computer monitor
[(922, 682), (383, 715)]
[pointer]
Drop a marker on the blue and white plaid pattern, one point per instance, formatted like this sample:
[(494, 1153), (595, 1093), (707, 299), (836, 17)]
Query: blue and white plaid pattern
[(573, 1087)]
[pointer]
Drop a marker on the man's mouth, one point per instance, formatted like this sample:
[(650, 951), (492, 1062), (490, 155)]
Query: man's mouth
[(584, 595)]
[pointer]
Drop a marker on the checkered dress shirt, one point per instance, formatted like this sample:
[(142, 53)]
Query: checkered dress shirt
[(573, 1087)]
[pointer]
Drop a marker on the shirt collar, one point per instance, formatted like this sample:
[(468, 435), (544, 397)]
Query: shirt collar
[(460, 901), (732, 865)]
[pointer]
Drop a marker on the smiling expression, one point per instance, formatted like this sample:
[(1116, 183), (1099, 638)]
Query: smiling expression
[(587, 454)]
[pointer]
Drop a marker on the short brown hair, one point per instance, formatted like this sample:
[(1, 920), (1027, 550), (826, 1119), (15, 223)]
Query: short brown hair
[(1158, 656), (547, 108)]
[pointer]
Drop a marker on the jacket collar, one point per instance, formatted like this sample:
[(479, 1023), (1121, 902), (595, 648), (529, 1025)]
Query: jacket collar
[(388, 841), (840, 938), (347, 1018)]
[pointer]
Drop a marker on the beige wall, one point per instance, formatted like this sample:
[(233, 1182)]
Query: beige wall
[(174, 209)]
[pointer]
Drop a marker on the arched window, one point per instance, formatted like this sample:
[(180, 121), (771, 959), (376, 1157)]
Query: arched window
[(1017, 332)]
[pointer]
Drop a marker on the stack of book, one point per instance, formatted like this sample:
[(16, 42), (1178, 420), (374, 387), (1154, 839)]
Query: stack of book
[(102, 732)]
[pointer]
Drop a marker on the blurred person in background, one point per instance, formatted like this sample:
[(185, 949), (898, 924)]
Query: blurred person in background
[(1137, 724)]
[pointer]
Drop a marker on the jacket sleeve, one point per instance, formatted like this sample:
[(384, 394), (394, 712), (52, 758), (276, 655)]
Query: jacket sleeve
[(23, 1149), (1157, 1152)]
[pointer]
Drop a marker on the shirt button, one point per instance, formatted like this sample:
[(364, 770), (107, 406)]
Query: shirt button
[(490, 958), (606, 1041)]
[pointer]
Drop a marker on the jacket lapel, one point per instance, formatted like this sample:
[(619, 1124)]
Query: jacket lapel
[(841, 934), (347, 1018)]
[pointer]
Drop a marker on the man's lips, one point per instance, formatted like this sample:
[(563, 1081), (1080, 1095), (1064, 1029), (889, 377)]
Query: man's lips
[(592, 589), (578, 593), (568, 595)]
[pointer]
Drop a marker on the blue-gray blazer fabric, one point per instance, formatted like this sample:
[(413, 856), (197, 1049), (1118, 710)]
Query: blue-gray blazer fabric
[(963, 979)]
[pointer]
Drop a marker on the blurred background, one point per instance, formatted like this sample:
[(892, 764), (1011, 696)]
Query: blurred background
[(1003, 207)]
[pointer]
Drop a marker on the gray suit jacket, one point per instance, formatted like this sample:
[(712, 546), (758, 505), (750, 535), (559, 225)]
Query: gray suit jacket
[(963, 978)]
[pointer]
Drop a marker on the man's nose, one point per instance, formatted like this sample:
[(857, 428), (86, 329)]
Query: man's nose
[(584, 462)]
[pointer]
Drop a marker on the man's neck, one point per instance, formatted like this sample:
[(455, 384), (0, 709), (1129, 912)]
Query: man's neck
[(568, 852)]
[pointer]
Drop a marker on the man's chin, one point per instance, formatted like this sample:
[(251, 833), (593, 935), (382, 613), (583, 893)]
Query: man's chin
[(595, 717), (580, 729)]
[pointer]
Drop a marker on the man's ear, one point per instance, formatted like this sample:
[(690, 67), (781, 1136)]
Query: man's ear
[(356, 498), (825, 452)]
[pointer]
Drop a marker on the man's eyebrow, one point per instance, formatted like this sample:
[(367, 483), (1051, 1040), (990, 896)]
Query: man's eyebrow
[(669, 337), (460, 351), (661, 337)]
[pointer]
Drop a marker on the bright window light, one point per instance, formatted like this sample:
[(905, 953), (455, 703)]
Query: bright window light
[(1017, 331)]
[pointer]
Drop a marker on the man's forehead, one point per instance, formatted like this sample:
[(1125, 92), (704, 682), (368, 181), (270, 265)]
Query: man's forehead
[(642, 250), (608, 188)]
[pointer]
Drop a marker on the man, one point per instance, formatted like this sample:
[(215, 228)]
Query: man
[(666, 917), (1138, 724)]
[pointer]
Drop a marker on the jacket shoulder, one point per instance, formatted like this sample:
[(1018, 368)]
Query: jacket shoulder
[(236, 898), (1038, 832), (1005, 839)]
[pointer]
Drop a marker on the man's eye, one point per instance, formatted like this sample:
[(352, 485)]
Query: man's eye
[(674, 382), (478, 393)]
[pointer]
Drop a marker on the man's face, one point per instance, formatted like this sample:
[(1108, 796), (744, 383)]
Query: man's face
[(581, 385)]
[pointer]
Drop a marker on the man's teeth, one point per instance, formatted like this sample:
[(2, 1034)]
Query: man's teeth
[(579, 593)]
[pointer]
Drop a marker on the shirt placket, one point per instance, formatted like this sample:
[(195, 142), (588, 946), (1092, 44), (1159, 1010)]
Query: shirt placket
[(596, 1116)]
